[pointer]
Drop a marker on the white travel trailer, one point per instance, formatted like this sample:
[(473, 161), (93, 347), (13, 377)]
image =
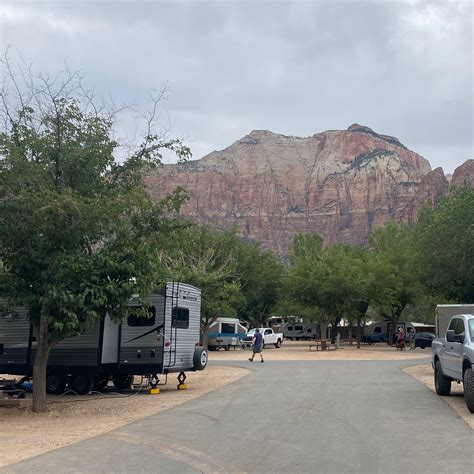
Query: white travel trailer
[(164, 342), (226, 333), (300, 331)]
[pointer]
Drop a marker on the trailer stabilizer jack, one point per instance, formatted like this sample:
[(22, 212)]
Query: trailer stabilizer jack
[(181, 380)]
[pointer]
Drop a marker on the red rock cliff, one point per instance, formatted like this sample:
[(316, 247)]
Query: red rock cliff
[(338, 184)]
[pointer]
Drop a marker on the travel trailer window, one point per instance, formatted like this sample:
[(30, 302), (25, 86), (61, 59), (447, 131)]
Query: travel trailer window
[(138, 317), (228, 328), (299, 328), (180, 318), (377, 330), (290, 328)]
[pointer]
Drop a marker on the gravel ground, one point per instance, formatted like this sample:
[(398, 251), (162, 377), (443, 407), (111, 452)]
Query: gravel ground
[(299, 350)]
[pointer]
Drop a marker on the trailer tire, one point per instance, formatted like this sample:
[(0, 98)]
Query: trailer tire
[(122, 382), (442, 383), (100, 383), (55, 382), (468, 382), (200, 358), (81, 384), (278, 344)]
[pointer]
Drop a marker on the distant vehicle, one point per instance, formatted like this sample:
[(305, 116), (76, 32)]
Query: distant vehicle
[(391, 328), (453, 350), (299, 331), (423, 339), (226, 333), (269, 337), (375, 338)]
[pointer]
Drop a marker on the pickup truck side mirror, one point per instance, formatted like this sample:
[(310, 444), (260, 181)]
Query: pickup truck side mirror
[(450, 336)]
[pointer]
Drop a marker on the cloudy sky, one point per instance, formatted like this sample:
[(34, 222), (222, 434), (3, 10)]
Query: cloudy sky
[(402, 68)]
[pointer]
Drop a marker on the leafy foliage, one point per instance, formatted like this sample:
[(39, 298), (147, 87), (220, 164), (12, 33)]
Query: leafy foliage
[(444, 245)]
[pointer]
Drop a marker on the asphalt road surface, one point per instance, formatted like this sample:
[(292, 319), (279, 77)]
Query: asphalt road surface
[(307, 416)]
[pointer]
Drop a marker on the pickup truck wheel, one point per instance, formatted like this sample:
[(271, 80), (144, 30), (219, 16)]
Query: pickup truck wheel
[(468, 382), (278, 344), (442, 383)]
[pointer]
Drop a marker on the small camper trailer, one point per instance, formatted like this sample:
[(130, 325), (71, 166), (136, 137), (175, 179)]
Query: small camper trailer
[(226, 333), (165, 341)]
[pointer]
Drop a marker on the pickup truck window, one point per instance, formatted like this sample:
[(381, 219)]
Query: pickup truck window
[(471, 329), (268, 331), (452, 324), (459, 327)]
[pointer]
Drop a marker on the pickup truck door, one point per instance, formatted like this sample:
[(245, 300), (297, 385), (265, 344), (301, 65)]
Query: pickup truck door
[(453, 350), (268, 336)]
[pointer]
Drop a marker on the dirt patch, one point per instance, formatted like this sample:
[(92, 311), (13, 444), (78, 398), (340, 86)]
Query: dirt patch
[(424, 373), (24, 434), (299, 350)]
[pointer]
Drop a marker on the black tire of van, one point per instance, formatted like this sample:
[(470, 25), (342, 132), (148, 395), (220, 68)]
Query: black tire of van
[(468, 382), (200, 358), (55, 382), (442, 383)]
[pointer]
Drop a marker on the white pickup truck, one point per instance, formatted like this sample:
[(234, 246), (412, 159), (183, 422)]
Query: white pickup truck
[(453, 353), (269, 337)]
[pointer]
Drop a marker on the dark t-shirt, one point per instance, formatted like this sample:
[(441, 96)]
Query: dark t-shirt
[(258, 338)]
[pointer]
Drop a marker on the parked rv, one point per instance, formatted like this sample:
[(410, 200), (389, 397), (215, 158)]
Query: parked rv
[(160, 336), (384, 331), (226, 333), (300, 331)]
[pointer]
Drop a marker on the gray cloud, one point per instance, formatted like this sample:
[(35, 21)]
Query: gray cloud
[(402, 68)]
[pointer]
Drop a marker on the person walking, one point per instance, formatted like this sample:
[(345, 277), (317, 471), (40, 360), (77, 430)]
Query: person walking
[(257, 345), (412, 339)]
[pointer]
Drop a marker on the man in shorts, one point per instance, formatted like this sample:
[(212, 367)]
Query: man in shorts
[(257, 345)]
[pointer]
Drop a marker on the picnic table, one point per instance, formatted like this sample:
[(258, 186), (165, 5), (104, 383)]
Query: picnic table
[(320, 344)]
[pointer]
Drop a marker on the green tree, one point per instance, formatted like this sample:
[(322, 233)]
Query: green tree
[(201, 257), (395, 267), (444, 246), (260, 274), (75, 222)]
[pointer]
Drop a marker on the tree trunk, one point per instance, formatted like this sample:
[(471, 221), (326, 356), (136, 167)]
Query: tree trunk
[(40, 363), (205, 337), (358, 333), (349, 334)]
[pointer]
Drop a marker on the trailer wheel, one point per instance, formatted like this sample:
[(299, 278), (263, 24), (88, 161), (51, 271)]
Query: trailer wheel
[(100, 383), (200, 358), (227, 348), (468, 382), (55, 382), (81, 384), (122, 382), (442, 383)]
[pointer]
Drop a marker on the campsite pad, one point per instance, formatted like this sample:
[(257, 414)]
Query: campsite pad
[(71, 418)]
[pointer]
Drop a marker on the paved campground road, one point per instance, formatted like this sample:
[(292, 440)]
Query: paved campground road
[(287, 416)]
